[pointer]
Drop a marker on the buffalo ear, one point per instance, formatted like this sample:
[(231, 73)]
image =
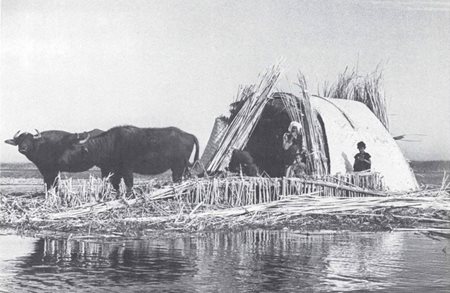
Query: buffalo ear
[(11, 141)]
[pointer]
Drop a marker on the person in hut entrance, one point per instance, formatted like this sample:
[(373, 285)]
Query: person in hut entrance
[(293, 144), (297, 169), (362, 159)]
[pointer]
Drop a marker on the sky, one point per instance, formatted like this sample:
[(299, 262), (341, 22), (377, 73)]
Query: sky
[(76, 65)]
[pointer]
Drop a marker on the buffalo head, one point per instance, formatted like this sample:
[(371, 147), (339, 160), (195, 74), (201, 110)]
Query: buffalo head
[(77, 155), (25, 141)]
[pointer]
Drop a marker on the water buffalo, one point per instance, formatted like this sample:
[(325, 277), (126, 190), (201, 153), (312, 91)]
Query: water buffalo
[(242, 160), (124, 150), (44, 149)]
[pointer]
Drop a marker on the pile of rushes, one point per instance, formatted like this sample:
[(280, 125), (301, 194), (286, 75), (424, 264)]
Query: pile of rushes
[(173, 207), (366, 89)]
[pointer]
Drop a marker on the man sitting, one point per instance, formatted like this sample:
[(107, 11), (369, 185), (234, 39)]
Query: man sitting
[(298, 167), (362, 159), (292, 143)]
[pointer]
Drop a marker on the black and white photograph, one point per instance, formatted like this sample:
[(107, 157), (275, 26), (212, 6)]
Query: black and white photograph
[(224, 146)]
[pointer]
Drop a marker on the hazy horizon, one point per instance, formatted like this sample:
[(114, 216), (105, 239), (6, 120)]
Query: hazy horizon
[(79, 65)]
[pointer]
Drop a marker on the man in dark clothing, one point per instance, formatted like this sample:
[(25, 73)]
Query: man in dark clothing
[(362, 159)]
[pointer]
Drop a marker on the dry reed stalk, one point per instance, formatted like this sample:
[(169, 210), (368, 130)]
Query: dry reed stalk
[(315, 139), (246, 191), (365, 180), (240, 129), (164, 193), (366, 89), (299, 109), (309, 204), (217, 133)]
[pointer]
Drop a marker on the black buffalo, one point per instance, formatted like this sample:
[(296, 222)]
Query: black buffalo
[(44, 150), (242, 160), (125, 150)]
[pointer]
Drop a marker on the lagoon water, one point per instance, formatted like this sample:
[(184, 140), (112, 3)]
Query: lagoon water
[(247, 261)]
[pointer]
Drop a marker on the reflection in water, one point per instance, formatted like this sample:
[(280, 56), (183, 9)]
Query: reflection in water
[(364, 260), (251, 261)]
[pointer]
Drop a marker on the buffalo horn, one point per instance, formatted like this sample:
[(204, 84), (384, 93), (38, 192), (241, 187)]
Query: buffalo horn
[(85, 140), (38, 134), (16, 135)]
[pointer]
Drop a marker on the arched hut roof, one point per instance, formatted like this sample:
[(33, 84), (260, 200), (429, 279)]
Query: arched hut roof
[(348, 122)]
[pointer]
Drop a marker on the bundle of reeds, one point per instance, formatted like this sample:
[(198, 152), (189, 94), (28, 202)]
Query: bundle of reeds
[(366, 89), (149, 194), (299, 109), (76, 192), (217, 133), (234, 191), (241, 127)]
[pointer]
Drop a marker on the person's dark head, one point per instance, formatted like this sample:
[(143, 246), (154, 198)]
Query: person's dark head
[(298, 156), (361, 146)]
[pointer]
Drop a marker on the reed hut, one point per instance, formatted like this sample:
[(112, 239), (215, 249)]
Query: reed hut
[(331, 130)]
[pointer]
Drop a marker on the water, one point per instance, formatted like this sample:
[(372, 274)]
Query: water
[(248, 261)]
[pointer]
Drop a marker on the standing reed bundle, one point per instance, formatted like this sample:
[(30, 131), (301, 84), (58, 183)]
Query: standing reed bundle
[(240, 129), (366, 89), (239, 191), (366, 180), (77, 192), (299, 109), (163, 193), (217, 134), (369, 93)]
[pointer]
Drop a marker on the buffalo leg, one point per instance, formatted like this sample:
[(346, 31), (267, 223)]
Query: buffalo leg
[(178, 168), (128, 179), (50, 180), (177, 173), (115, 180)]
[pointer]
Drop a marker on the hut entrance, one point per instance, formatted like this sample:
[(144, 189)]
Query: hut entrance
[(265, 144)]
